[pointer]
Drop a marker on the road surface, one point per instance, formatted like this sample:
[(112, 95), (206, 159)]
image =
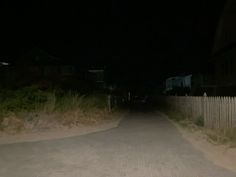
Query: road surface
[(144, 145)]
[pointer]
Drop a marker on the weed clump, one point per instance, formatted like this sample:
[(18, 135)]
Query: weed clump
[(199, 121), (31, 107)]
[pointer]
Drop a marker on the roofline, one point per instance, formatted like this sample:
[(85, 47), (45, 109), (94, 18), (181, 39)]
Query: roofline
[(224, 49)]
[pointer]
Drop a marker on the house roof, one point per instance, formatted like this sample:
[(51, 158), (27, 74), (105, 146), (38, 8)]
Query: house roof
[(225, 50), (37, 56)]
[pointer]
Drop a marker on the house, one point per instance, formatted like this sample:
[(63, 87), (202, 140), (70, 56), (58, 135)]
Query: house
[(178, 85), (97, 76), (224, 63), (223, 57), (38, 66)]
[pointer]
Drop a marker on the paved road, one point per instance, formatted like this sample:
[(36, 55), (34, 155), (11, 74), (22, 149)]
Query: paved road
[(144, 145)]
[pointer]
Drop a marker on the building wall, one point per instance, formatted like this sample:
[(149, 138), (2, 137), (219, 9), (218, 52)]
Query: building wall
[(178, 85), (224, 51), (225, 68), (226, 32)]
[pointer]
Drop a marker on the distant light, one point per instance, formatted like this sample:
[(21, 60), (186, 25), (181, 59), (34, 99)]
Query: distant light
[(4, 63)]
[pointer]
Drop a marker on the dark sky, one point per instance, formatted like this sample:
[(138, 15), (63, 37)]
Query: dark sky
[(164, 37)]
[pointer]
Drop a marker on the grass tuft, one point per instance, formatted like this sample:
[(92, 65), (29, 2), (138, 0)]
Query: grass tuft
[(32, 107), (215, 136)]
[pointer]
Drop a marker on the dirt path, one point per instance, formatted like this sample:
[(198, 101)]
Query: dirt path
[(143, 145)]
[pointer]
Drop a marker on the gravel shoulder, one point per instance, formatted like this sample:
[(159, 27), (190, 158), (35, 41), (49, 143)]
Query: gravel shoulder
[(221, 155), (62, 132)]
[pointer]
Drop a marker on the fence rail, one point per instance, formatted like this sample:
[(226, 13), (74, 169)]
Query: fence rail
[(217, 112)]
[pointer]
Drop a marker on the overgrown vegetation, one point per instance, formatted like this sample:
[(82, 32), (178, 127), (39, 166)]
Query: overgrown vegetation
[(33, 99), (199, 121), (223, 136), (215, 136), (31, 107)]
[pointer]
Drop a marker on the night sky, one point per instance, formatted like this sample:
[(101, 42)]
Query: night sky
[(131, 38)]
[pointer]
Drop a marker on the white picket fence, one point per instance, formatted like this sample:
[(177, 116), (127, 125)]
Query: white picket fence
[(217, 112)]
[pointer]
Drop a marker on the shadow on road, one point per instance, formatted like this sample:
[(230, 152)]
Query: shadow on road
[(142, 106)]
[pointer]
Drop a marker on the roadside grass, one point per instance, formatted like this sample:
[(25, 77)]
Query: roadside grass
[(222, 137), (214, 136), (30, 108)]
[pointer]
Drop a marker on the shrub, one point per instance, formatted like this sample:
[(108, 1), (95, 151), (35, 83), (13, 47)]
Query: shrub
[(25, 99), (199, 121), (30, 107), (31, 99)]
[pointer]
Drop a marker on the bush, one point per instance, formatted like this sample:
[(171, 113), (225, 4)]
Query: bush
[(199, 121), (31, 99), (30, 108), (26, 99)]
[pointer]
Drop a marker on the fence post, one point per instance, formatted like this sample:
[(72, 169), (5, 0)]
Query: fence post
[(109, 102), (221, 113), (129, 96), (204, 108), (234, 112)]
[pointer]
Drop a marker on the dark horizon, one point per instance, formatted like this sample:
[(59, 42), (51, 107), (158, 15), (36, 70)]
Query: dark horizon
[(130, 38)]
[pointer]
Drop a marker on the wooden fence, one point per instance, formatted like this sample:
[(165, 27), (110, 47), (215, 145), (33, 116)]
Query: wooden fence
[(216, 112)]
